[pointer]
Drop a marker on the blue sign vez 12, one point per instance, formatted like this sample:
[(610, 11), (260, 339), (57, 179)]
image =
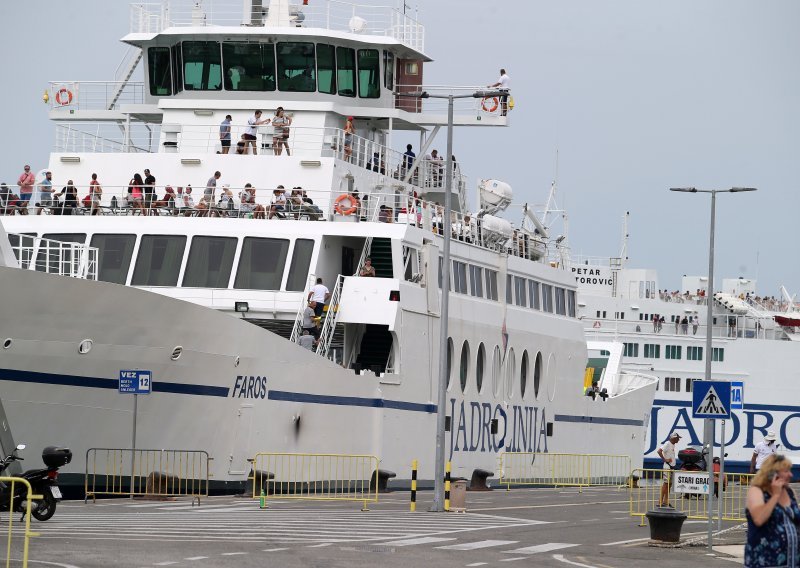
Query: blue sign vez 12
[(135, 382)]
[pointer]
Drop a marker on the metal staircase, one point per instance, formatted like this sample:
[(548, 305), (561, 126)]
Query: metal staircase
[(329, 324), (123, 74)]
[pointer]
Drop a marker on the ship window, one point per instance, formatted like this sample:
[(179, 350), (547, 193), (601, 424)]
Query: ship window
[(210, 262), (480, 365), (519, 291), (158, 71), (296, 68), (346, 71), (326, 69), (672, 384), (491, 284), (301, 260), (571, 304), (388, 70), (177, 69), (689, 384), (630, 349), (460, 277), (261, 264), (533, 286), (511, 369), (523, 374), (369, 74), (53, 258), (249, 66), (547, 298), (673, 352), (464, 367), (694, 353), (496, 371), (561, 303), (509, 292), (537, 375), (202, 66), (718, 354), (476, 281), (114, 256), (159, 260), (652, 351)]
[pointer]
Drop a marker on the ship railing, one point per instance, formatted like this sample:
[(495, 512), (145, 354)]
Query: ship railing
[(66, 96), (329, 323), (744, 328), (564, 469), (473, 107), (297, 328), (76, 260), (618, 384), (106, 137), (335, 15), (18, 489), (731, 498)]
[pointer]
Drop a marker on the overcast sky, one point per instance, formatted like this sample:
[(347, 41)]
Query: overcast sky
[(636, 96)]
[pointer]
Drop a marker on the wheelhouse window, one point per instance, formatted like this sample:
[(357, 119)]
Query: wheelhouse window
[(210, 262), (202, 66), (158, 71), (261, 264), (249, 66), (388, 70), (159, 260), (369, 74), (114, 256), (346, 71), (296, 67), (301, 261), (326, 69)]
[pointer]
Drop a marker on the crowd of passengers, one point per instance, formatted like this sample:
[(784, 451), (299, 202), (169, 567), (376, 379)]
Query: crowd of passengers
[(769, 302)]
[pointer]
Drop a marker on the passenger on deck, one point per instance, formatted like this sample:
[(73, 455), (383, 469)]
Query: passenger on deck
[(280, 137), (278, 203), (70, 194), (241, 146), (251, 134), (247, 202), (188, 200), (408, 161), (44, 197), (149, 190), (385, 215), (503, 84), (26, 182), (7, 200), (695, 324), (169, 198), (436, 162), (349, 130), (225, 134), (135, 193), (306, 341), (368, 270), (320, 294), (96, 194), (309, 319), (685, 326), (308, 203)]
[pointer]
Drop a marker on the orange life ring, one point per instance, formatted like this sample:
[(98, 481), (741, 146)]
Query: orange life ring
[(352, 204), (596, 324), (490, 107), (64, 97)]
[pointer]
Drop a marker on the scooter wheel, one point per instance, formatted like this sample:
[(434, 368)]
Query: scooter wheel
[(46, 508)]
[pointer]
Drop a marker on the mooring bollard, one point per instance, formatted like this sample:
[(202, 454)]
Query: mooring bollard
[(414, 486), (447, 486)]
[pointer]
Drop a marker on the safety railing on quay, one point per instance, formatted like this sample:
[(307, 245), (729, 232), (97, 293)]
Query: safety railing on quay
[(318, 477), (729, 503), (20, 496), (76, 260), (125, 472), (564, 470)]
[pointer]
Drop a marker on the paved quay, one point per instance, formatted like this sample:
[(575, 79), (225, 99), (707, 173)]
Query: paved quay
[(524, 527)]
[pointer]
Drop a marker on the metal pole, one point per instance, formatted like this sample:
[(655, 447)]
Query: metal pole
[(721, 486), (133, 439), (709, 424), (441, 406)]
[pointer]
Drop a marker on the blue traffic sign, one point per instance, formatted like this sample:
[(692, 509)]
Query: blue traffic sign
[(737, 395), (711, 399), (135, 382)]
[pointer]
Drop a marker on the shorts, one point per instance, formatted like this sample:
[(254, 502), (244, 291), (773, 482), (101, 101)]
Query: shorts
[(226, 143), (248, 137), (666, 477)]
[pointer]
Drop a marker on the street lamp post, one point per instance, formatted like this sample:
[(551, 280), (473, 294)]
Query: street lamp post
[(441, 404), (708, 423)]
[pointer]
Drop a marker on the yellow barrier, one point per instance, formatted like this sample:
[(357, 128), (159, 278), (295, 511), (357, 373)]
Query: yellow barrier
[(645, 495), (323, 477), (11, 486), (150, 473), (563, 470)]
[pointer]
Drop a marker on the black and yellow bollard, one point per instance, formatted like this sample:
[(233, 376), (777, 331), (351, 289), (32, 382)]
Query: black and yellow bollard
[(447, 486), (413, 486)]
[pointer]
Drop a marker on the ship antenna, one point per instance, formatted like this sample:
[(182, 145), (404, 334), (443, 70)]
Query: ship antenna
[(623, 253)]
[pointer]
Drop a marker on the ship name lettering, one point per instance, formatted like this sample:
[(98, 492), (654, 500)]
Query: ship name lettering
[(249, 387)]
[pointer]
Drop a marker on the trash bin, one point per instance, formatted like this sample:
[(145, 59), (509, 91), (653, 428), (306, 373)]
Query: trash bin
[(458, 496), (665, 524)]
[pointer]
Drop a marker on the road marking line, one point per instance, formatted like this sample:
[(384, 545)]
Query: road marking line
[(274, 549), (413, 541), (477, 545), (512, 559), (559, 505), (322, 544), (547, 547), (164, 563), (233, 553), (477, 564), (635, 540), (561, 558), (197, 558)]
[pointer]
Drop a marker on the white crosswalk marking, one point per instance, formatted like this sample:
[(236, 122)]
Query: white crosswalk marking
[(547, 547), (415, 541), (477, 545)]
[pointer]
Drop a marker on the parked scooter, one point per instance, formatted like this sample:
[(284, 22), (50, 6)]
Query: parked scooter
[(43, 482)]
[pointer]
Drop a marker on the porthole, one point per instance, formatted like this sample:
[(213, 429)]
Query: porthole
[(7, 343), (449, 361), (523, 374), (176, 353), (511, 364), (464, 367), (497, 363), (85, 346), (236, 361), (537, 375), (479, 367)]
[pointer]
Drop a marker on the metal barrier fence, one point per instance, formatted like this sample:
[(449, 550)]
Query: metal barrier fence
[(563, 470), (321, 477), (11, 550), (151, 473), (646, 491)]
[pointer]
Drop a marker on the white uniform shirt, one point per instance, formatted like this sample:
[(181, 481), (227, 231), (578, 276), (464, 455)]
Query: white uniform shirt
[(763, 451), (668, 450), (252, 127), (319, 291), (505, 81)]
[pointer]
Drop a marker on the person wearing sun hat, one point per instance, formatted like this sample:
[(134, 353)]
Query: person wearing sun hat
[(667, 453), (349, 130), (762, 451)]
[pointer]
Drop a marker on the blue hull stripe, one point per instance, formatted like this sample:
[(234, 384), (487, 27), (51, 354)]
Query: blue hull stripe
[(598, 420), (110, 384), (765, 407), (350, 401)]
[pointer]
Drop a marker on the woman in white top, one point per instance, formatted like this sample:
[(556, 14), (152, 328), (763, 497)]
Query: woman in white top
[(280, 137)]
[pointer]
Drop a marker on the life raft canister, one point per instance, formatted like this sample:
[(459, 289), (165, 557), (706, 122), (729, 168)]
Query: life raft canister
[(64, 97), (350, 208)]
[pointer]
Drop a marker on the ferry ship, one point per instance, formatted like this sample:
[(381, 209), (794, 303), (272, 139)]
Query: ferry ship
[(754, 346), (208, 294)]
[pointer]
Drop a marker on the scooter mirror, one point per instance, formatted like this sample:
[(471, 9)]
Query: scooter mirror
[(21, 447)]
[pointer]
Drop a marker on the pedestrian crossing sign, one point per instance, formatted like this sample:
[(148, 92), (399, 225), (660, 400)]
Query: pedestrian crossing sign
[(711, 399)]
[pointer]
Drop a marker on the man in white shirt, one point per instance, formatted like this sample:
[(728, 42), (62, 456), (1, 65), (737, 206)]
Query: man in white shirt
[(762, 451), (251, 133), (667, 453), (319, 294), (503, 84)]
